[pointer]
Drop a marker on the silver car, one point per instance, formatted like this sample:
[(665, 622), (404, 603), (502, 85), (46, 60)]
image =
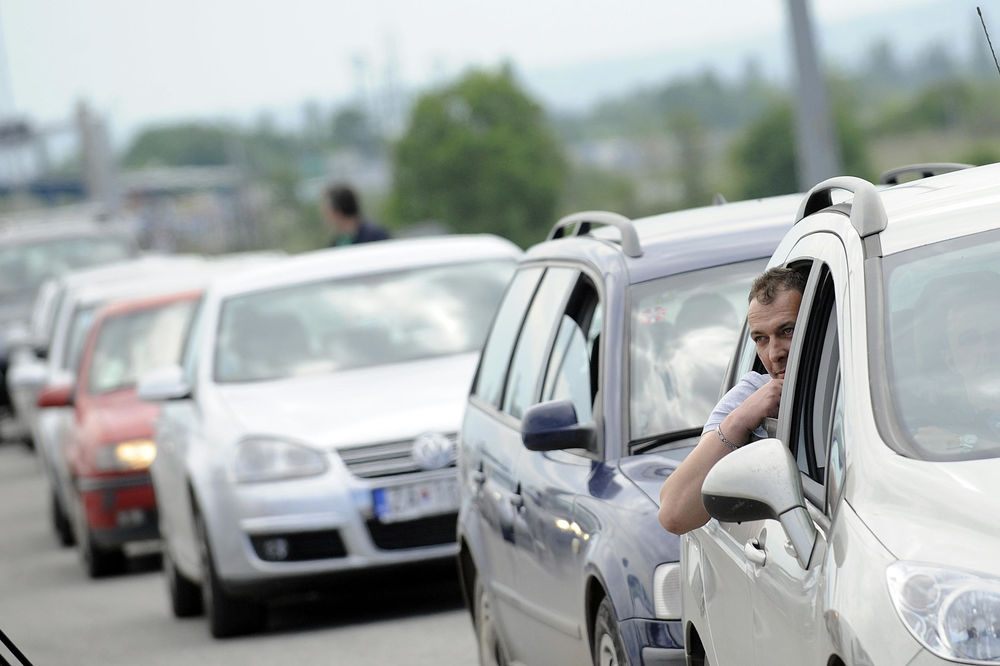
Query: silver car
[(311, 428), (865, 530)]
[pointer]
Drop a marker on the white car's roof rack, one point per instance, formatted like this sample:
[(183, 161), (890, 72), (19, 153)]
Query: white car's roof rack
[(578, 224), (925, 170), (867, 212)]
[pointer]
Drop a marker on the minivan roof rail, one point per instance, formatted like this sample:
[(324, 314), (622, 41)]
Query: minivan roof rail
[(924, 170), (867, 212), (582, 221)]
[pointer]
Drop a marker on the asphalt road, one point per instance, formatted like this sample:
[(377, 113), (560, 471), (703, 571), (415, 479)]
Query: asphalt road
[(56, 615)]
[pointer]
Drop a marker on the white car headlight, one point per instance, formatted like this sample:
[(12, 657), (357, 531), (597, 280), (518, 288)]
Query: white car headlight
[(133, 455), (955, 614), (266, 459)]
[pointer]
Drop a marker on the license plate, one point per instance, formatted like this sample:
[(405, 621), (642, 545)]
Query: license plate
[(415, 500)]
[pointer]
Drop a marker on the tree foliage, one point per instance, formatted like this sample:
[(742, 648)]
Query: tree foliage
[(479, 156), (182, 144), (765, 155)]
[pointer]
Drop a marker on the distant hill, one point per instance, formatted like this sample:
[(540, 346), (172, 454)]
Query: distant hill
[(911, 32)]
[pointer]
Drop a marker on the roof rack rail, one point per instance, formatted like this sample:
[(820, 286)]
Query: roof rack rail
[(718, 199), (867, 212), (582, 221), (926, 170)]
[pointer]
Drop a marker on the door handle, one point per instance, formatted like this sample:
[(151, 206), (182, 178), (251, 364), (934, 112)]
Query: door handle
[(478, 477), (753, 552), (517, 501)]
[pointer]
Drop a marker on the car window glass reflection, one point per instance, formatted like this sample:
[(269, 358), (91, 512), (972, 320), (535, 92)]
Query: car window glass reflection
[(684, 329), (129, 345), (943, 324), (358, 322)]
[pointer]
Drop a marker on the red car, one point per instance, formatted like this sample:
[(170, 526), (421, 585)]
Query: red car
[(111, 447)]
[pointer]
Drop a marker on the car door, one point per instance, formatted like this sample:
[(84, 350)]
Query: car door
[(785, 595), (548, 564), (176, 425), (492, 432)]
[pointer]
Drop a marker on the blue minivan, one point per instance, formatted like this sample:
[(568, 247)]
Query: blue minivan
[(604, 360)]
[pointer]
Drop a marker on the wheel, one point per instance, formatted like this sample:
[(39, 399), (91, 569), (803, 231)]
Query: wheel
[(99, 562), (227, 615), (607, 648), (61, 523), (185, 594), (491, 650)]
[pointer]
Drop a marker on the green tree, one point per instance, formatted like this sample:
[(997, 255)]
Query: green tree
[(183, 144), (479, 156), (764, 155)]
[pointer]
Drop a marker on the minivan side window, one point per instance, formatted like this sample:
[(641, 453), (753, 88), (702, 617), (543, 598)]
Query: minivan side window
[(489, 381), (529, 354), (572, 366)]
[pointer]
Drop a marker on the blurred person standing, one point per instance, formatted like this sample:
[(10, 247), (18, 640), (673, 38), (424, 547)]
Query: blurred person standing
[(342, 211)]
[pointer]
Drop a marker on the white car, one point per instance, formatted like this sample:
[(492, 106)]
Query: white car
[(865, 530), (311, 428)]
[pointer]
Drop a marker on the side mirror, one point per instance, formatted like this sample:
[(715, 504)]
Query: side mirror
[(553, 426), (166, 383), (56, 395), (761, 481), (31, 375)]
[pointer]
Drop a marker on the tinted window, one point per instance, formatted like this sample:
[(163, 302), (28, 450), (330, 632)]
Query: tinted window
[(684, 330), (529, 354), (572, 366), (496, 355)]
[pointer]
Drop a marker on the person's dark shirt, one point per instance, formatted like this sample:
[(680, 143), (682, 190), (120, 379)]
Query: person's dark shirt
[(367, 232)]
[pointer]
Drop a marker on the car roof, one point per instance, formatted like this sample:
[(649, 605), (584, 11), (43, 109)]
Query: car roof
[(933, 209), (41, 231), (686, 240), (147, 302), (367, 258)]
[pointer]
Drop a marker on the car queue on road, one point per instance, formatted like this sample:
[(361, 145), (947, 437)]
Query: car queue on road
[(306, 417)]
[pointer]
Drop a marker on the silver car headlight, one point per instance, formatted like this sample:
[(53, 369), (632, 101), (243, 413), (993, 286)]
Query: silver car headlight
[(130, 456), (269, 459), (955, 614)]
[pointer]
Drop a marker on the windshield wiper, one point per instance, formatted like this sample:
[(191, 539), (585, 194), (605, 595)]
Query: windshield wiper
[(656, 441)]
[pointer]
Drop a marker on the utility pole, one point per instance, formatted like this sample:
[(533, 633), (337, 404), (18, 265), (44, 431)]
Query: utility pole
[(816, 145)]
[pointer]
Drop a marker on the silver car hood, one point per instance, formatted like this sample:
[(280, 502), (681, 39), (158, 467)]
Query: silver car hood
[(936, 512), (381, 403)]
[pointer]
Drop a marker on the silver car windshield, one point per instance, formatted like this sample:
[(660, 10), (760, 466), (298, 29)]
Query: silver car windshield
[(942, 316), (358, 322), (130, 344), (25, 265), (684, 331)]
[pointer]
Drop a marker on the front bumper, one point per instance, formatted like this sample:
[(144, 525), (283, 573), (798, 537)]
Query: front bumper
[(119, 509), (269, 537), (653, 642)]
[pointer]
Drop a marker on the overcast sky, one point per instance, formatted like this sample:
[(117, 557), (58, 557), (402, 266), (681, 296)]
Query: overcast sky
[(148, 60)]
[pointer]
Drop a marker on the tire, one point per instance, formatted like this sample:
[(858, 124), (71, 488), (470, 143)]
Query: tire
[(227, 615), (61, 523), (491, 649), (100, 562), (185, 594), (608, 649)]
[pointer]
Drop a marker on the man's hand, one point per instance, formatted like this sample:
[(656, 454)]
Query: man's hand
[(762, 403)]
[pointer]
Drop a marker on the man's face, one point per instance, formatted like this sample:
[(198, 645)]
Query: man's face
[(771, 328)]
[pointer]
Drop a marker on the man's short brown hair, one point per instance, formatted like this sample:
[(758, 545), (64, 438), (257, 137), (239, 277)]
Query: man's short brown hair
[(775, 280)]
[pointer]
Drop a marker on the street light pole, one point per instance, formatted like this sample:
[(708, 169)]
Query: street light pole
[(816, 146)]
